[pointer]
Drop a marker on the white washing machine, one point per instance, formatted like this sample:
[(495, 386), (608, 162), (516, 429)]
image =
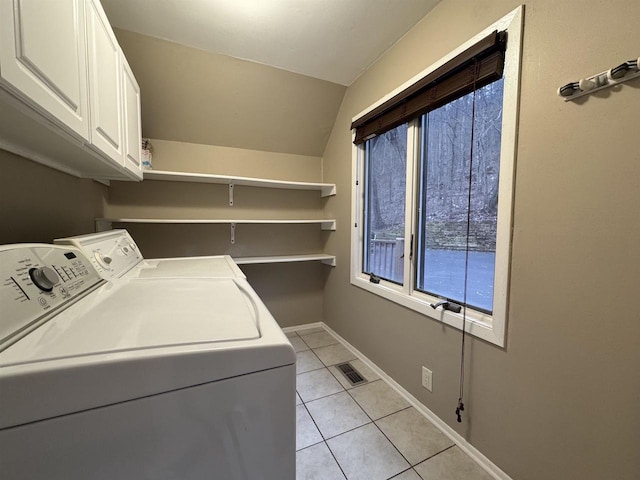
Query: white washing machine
[(115, 254), (154, 378)]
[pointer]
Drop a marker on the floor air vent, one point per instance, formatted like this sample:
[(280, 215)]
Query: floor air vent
[(351, 373)]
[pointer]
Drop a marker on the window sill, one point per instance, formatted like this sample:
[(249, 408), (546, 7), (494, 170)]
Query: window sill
[(478, 324)]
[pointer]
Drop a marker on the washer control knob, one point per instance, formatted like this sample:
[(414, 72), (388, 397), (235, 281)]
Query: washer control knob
[(103, 260), (44, 278)]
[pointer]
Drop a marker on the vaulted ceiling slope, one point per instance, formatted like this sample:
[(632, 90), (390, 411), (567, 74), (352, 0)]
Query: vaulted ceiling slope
[(299, 55), (193, 96), (334, 40)]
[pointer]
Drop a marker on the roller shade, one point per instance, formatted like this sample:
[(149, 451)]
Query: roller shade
[(480, 64)]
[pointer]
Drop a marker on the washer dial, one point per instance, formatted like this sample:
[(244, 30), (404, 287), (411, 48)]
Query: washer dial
[(103, 260), (44, 278)]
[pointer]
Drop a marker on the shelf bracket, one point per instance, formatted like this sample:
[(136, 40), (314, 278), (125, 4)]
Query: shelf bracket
[(328, 190), (328, 225), (233, 233), (231, 195), (329, 261)]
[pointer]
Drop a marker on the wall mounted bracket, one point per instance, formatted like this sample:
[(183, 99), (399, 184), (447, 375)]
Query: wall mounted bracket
[(607, 79)]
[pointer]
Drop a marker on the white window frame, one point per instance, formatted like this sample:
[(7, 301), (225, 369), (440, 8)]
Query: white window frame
[(490, 327)]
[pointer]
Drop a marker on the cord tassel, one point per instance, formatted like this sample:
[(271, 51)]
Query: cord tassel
[(459, 410)]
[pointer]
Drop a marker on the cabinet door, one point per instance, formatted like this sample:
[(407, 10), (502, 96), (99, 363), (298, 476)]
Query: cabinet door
[(43, 58), (132, 121), (105, 91)]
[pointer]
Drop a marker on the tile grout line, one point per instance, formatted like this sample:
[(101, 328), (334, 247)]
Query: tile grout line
[(385, 436), (313, 369), (434, 455), (405, 471), (359, 406), (324, 440), (380, 430), (337, 342), (389, 414), (336, 460), (343, 388), (348, 391), (372, 421), (370, 418)]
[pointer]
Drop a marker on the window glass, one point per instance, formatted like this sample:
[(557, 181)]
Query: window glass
[(385, 174), (444, 198)]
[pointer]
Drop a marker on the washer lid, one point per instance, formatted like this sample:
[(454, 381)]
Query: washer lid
[(221, 266), (142, 315)]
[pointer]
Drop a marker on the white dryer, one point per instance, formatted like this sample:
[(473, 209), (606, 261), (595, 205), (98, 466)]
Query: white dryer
[(155, 378), (115, 254)]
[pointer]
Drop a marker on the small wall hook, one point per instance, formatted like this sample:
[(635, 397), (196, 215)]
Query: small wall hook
[(569, 89)]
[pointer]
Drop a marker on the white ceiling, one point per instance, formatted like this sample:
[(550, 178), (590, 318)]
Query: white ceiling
[(334, 40)]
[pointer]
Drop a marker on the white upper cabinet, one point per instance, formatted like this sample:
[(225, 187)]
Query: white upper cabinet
[(105, 86), (43, 57), (132, 121), (68, 99)]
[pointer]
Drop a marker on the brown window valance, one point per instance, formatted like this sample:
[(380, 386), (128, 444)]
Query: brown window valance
[(479, 65)]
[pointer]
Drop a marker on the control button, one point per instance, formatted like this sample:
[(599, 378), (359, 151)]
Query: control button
[(102, 260), (42, 301), (44, 278)]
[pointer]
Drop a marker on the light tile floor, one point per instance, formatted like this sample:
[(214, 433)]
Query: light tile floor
[(366, 432)]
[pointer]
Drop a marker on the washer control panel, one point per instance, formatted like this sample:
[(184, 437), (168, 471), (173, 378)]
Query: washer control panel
[(35, 281), (112, 253)]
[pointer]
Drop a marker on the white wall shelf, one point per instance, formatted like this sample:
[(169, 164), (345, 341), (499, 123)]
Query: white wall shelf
[(324, 258), (326, 189), (326, 224), (104, 224)]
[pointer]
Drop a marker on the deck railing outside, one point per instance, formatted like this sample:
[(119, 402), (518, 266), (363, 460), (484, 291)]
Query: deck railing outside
[(386, 258)]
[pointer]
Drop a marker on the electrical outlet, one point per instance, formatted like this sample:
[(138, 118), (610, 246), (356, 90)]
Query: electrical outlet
[(427, 379)]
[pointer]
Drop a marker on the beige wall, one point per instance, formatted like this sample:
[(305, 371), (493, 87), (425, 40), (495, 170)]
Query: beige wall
[(561, 401), (189, 95), (243, 162), (39, 204)]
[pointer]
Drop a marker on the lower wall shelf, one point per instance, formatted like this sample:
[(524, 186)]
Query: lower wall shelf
[(326, 259), (105, 223)]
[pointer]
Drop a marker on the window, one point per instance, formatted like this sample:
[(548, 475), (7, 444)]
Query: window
[(434, 165), (384, 222), (458, 203)]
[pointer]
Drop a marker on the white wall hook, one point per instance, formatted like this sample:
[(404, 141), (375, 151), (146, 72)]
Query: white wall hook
[(585, 85), (614, 76)]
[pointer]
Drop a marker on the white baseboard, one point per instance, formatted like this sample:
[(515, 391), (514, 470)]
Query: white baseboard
[(491, 468), (306, 326)]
